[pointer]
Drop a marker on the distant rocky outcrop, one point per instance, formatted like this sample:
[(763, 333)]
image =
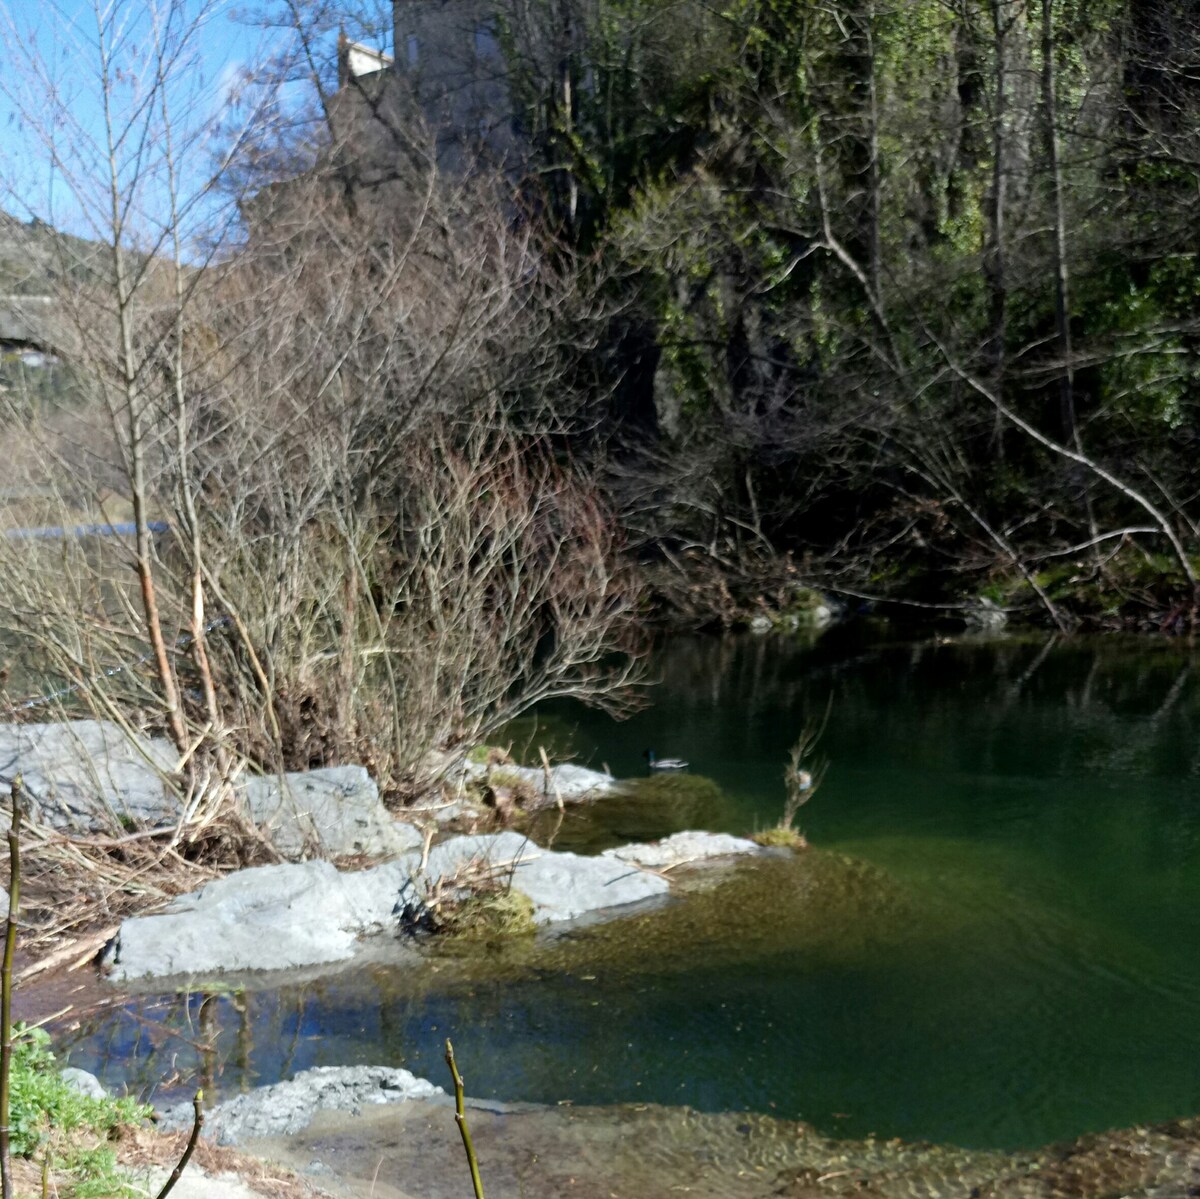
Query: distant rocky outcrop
[(36, 259)]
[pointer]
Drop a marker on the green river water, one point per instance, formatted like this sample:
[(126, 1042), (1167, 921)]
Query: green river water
[(995, 942)]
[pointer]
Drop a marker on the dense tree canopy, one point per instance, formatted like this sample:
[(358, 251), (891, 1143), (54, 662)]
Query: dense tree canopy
[(919, 280)]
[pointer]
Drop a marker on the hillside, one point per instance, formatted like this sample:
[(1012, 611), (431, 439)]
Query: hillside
[(35, 258)]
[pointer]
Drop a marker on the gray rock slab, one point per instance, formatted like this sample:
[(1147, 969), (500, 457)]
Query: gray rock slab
[(264, 918), (564, 886), (497, 851), (285, 917), (372, 897), (289, 1107), (331, 811), (578, 782), (194, 1183), (683, 847), (443, 813), (90, 775), (83, 1082)]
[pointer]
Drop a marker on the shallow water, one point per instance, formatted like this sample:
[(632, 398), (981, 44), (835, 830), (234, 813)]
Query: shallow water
[(995, 944), (641, 1151)]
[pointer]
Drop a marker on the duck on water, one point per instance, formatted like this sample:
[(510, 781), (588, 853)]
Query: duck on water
[(657, 763)]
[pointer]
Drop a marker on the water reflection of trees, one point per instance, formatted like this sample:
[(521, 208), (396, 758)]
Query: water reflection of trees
[(161, 1047), (1113, 706)]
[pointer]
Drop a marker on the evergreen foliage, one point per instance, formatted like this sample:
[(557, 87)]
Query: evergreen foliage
[(835, 226)]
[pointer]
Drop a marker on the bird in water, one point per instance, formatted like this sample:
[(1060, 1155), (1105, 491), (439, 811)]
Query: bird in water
[(657, 763)]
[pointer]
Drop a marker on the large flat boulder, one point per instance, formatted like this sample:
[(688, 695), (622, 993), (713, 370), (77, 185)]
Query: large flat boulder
[(89, 776), (265, 918), (309, 914), (563, 886), (491, 851), (328, 812)]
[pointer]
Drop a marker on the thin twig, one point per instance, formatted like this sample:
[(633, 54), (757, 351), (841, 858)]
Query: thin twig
[(461, 1119), (550, 785), (189, 1149), (6, 985)]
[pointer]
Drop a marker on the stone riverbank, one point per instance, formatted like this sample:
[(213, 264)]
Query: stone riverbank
[(90, 776), (380, 1133)]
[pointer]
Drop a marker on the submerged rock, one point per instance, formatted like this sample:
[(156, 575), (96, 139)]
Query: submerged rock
[(545, 1152), (684, 847), (288, 1107)]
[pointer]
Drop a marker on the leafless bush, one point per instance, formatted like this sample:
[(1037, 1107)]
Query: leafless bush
[(349, 425)]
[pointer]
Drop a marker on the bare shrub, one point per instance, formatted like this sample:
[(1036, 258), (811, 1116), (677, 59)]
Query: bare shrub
[(382, 511), (801, 777), (338, 445)]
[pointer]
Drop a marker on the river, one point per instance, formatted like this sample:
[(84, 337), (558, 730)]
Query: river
[(992, 944)]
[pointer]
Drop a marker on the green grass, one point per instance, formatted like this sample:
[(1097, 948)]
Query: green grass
[(48, 1116), (780, 837), (491, 916)]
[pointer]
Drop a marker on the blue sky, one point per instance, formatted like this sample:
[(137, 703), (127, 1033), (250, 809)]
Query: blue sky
[(54, 161)]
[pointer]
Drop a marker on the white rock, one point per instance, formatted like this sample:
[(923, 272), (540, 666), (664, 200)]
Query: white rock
[(264, 918), (564, 886), (194, 1183), (567, 781), (683, 847), (83, 1082), (289, 1107), (309, 914)]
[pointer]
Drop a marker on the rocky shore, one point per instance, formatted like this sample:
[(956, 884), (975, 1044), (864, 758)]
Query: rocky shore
[(272, 918), (86, 777), (381, 1133)]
